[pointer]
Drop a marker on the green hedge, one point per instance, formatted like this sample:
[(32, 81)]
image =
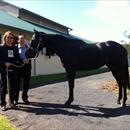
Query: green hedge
[(43, 79)]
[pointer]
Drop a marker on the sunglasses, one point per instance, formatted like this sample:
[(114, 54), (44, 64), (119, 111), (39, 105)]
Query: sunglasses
[(9, 37)]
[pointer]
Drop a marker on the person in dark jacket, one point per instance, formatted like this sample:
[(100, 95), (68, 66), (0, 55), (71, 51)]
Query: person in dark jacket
[(24, 73), (9, 57)]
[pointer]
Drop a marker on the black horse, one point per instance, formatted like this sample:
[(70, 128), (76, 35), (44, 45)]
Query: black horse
[(76, 55)]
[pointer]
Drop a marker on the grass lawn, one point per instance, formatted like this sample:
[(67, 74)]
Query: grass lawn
[(43, 79), (5, 124)]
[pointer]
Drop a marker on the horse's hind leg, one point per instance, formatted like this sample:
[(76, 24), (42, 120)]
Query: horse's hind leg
[(124, 96), (120, 85), (118, 74), (124, 81), (122, 88), (119, 92)]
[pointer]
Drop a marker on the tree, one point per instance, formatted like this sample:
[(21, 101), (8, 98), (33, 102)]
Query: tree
[(126, 44)]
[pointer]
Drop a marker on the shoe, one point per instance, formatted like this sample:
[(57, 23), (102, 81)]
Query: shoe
[(26, 102), (3, 108)]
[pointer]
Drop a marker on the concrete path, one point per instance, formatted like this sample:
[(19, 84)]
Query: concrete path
[(93, 108)]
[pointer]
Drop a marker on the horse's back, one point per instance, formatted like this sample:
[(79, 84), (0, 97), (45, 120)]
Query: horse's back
[(113, 50), (115, 55), (98, 54)]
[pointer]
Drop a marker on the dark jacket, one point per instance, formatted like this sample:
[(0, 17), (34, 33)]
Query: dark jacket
[(6, 57)]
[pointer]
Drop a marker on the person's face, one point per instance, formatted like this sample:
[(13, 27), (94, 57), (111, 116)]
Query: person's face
[(21, 39), (9, 39)]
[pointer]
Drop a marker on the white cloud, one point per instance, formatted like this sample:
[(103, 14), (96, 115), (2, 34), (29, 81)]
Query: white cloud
[(115, 14), (109, 9)]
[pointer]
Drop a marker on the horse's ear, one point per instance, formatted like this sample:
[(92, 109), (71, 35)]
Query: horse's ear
[(34, 30)]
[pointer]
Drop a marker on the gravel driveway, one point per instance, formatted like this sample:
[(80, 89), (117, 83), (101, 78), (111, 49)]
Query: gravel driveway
[(93, 108)]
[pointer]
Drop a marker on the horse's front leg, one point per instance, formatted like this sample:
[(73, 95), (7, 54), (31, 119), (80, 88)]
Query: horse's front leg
[(71, 77), (124, 96), (119, 94)]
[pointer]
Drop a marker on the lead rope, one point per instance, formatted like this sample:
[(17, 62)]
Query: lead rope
[(18, 66), (7, 80)]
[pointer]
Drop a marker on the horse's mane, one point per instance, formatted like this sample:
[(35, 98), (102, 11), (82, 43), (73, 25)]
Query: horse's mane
[(65, 41), (66, 38), (69, 39)]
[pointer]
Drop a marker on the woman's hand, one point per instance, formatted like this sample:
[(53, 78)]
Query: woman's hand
[(25, 61), (7, 64)]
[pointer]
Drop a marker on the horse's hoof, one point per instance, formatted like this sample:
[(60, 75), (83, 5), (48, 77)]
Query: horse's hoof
[(123, 105), (68, 103), (118, 102)]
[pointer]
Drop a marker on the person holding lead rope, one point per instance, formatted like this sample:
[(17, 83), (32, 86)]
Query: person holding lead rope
[(8, 56), (24, 72)]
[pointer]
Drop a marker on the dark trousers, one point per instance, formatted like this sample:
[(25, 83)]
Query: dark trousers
[(8, 84), (23, 80)]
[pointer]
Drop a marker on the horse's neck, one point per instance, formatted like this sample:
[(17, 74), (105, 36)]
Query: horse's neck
[(59, 48), (58, 45)]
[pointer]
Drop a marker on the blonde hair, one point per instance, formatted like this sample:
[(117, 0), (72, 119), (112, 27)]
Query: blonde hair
[(5, 35)]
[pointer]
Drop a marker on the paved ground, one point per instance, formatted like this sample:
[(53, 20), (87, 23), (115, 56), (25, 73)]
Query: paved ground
[(92, 109)]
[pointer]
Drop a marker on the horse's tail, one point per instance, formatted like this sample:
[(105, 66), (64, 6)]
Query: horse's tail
[(127, 74)]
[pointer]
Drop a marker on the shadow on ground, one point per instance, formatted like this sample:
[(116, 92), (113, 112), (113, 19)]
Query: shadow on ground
[(36, 85), (63, 79), (73, 110)]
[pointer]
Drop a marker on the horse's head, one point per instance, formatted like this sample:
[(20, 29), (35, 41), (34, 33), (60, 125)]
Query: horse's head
[(35, 45), (39, 41)]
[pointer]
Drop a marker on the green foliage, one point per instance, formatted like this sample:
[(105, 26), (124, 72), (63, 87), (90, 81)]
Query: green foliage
[(127, 46), (129, 36), (62, 76), (5, 124)]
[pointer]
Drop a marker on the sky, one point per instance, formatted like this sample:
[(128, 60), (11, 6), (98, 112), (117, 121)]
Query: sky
[(95, 20)]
